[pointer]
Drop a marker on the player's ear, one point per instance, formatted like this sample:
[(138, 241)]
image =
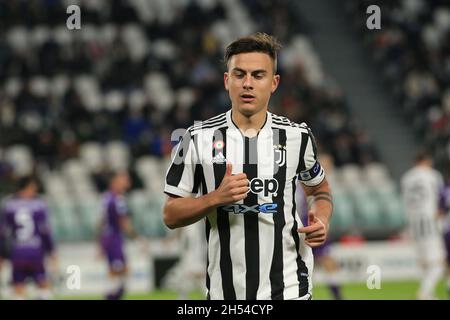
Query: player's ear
[(225, 80), (275, 82)]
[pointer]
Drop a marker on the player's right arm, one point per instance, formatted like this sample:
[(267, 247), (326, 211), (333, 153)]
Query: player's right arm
[(183, 211)]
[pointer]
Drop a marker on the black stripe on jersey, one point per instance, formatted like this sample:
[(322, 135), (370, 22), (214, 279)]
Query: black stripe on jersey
[(281, 123), (200, 123), (208, 122), (287, 123), (313, 142), (214, 118), (276, 269), (176, 169), (302, 270), (210, 126), (208, 280), (301, 156), (250, 168), (223, 222), (198, 176)]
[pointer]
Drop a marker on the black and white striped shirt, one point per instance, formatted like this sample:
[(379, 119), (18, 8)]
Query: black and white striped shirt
[(254, 249), (420, 192)]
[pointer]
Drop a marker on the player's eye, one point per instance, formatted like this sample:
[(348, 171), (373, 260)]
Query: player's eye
[(259, 76), (239, 75)]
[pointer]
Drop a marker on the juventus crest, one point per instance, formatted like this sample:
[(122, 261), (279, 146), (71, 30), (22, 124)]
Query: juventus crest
[(280, 155)]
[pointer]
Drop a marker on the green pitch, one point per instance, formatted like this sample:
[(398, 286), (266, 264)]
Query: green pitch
[(358, 291)]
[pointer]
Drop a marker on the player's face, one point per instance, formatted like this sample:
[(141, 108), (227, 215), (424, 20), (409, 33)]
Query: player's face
[(122, 182), (250, 81), (32, 189)]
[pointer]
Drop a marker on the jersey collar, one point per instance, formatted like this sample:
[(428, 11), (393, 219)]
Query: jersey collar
[(267, 124)]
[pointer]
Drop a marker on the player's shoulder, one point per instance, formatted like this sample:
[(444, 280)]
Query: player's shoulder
[(208, 124), (411, 173), (285, 123), (8, 201)]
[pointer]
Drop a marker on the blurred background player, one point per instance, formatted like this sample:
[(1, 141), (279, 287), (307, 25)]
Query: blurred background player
[(189, 272), (420, 189), (444, 206), (322, 255), (24, 227), (114, 223)]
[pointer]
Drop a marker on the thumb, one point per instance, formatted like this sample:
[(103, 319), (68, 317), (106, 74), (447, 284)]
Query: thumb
[(229, 168), (311, 217)]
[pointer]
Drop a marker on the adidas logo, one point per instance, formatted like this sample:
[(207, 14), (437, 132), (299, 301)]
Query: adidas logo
[(219, 158)]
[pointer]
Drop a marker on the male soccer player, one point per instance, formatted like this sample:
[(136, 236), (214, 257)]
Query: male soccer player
[(24, 227), (114, 223), (238, 172), (444, 206), (420, 191)]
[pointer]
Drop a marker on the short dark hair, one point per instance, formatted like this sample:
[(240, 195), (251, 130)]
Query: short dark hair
[(422, 155), (257, 42), (25, 181)]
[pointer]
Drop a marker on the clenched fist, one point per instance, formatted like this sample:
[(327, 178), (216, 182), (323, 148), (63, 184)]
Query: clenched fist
[(232, 188)]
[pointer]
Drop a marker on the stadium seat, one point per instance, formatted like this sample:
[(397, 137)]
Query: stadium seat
[(343, 220), (146, 210), (376, 174), (350, 176), (20, 158), (118, 155), (92, 155), (368, 216)]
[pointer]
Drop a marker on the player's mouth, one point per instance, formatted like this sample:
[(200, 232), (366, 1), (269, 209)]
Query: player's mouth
[(247, 97)]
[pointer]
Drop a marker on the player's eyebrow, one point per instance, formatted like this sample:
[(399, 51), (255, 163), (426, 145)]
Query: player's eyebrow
[(254, 72)]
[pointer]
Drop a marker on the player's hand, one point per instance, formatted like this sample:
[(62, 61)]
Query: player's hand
[(232, 188), (316, 232)]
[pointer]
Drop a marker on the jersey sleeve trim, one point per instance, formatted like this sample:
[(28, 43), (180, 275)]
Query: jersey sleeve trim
[(178, 192)]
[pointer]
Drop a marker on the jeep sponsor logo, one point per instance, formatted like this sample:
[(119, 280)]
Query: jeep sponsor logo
[(266, 186)]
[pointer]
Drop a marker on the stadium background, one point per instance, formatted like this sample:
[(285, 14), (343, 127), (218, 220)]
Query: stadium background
[(75, 104)]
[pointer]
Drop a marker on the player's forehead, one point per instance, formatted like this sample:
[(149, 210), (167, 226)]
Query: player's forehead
[(250, 61)]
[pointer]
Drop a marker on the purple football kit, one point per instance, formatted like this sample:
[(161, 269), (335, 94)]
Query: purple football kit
[(114, 206), (24, 225), (444, 204)]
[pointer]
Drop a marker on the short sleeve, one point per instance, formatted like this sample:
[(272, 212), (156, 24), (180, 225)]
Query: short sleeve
[(310, 171), (121, 206), (181, 173)]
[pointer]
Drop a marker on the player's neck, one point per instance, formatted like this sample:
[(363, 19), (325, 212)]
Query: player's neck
[(25, 195), (249, 126)]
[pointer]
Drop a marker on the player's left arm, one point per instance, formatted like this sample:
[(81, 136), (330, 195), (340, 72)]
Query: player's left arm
[(315, 184)]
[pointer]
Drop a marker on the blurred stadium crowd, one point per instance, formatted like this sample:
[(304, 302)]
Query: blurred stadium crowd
[(76, 104), (413, 49)]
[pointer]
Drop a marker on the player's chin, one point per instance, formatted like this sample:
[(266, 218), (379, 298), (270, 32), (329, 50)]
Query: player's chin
[(248, 109)]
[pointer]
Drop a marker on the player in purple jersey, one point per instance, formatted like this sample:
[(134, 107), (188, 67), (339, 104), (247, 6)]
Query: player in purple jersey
[(322, 256), (444, 208), (24, 227), (114, 223)]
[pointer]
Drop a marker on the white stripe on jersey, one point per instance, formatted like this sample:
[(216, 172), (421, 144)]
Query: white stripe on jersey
[(253, 245), (237, 247)]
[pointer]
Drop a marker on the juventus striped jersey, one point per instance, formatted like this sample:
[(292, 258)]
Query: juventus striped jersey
[(254, 249), (420, 190)]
